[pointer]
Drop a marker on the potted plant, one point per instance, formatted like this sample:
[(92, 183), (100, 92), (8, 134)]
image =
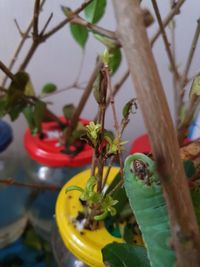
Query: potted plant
[(167, 170)]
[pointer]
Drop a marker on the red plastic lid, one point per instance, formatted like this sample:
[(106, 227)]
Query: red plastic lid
[(141, 144), (47, 151)]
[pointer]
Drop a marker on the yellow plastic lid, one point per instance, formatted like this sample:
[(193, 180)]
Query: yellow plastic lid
[(86, 245)]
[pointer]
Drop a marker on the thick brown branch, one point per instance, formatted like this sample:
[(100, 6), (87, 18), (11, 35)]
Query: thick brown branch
[(160, 128)]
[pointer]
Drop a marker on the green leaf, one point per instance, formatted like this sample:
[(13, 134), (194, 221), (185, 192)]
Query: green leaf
[(195, 88), (39, 114), (16, 110), (68, 111), (28, 113), (95, 10), (29, 90), (49, 88), (79, 33), (189, 168), (126, 255), (115, 59), (108, 42)]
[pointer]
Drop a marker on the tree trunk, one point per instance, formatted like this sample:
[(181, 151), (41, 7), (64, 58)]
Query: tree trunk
[(152, 100)]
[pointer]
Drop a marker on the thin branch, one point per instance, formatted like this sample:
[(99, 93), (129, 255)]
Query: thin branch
[(65, 21), (18, 28), (12, 182), (95, 28), (165, 39), (82, 102), (191, 54), (116, 124), (166, 21), (46, 24), (20, 45), (6, 71), (36, 18)]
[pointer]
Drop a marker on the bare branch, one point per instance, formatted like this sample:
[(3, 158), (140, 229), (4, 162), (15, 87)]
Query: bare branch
[(166, 21), (6, 71), (36, 18), (165, 39), (46, 24)]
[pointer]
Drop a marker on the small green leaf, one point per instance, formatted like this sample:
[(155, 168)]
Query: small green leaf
[(95, 10), (28, 113), (195, 88), (49, 88), (189, 168), (39, 114), (29, 90), (74, 187), (79, 33), (68, 111), (115, 59), (126, 255), (108, 42)]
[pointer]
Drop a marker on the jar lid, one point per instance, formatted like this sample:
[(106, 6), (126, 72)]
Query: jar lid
[(84, 244), (141, 144), (48, 150), (5, 135)]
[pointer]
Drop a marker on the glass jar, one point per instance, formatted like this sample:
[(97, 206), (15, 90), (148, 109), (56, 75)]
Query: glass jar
[(48, 166), (13, 199)]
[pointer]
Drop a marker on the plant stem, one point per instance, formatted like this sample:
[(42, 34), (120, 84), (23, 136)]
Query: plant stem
[(116, 124), (20, 45), (160, 128), (166, 21), (65, 21), (82, 102), (166, 42), (12, 182), (6, 71)]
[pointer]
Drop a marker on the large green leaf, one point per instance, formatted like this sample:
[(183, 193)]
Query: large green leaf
[(126, 255), (95, 10), (79, 33)]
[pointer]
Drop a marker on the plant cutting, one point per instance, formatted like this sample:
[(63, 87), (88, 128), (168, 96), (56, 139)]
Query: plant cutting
[(166, 175)]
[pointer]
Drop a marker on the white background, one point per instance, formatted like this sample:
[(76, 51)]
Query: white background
[(58, 59)]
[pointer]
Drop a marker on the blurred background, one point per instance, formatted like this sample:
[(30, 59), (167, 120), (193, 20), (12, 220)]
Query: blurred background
[(58, 60)]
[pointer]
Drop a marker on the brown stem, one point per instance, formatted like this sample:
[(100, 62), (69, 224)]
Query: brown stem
[(65, 21), (166, 21), (116, 124), (95, 28), (6, 71), (160, 128), (12, 182), (165, 39), (29, 55), (20, 45), (82, 102), (36, 18), (105, 178)]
